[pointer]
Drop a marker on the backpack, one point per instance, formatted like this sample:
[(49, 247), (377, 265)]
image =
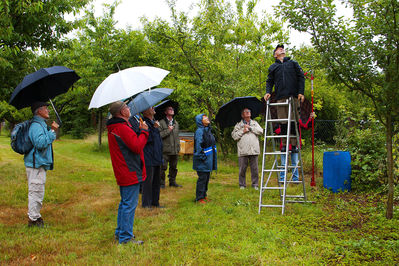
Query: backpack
[(20, 141)]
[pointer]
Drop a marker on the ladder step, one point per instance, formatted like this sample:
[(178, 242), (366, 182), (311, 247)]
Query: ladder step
[(278, 104), (279, 120), (273, 170), (296, 201), (289, 167), (292, 182), (275, 153), (279, 136), (294, 196), (277, 206), (275, 188)]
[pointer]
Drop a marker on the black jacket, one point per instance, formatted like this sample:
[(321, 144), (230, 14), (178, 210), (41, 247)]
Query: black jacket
[(153, 148), (287, 78)]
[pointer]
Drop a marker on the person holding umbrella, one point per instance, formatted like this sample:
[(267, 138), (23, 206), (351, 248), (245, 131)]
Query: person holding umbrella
[(39, 160), (246, 133), (153, 162), (205, 156), (127, 156)]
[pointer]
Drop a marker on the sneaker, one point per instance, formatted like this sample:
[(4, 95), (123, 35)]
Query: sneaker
[(207, 200), (256, 188), (39, 223), (242, 187), (175, 185), (202, 201), (133, 241), (163, 186)]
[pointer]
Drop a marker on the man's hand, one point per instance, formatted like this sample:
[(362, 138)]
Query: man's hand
[(171, 128), (301, 97), (143, 125), (267, 96), (246, 128), (156, 124), (54, 126)]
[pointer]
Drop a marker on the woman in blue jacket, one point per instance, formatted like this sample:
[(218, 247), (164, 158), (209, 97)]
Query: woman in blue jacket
[(205, 158)]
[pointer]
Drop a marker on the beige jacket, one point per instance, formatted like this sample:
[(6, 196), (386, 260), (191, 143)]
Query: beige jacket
[(248, 143)]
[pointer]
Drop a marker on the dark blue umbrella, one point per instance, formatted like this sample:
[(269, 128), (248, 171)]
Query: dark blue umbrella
[(43, 85), (160, 108), (230, 113), (146, 99)]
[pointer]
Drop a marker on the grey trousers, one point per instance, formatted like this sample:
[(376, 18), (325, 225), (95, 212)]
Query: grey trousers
[(243, 165), (36, 181)]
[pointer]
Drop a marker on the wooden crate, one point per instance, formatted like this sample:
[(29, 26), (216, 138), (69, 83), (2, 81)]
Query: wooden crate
[(186, 146)]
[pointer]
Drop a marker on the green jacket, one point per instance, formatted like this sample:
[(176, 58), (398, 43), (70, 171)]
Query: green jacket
[(170, 139)]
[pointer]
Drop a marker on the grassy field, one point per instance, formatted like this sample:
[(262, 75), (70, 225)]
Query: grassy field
[(80, 209)]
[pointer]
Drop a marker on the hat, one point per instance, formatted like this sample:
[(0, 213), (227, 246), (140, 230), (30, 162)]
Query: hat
[(36, 105), (278, 46), (116, 107)]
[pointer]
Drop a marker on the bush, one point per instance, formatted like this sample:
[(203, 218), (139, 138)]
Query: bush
[(366, 142)]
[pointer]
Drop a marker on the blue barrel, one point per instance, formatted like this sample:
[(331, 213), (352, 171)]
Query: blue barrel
[(337, 171)]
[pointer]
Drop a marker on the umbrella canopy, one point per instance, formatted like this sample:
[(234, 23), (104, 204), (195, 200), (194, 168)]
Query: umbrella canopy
[(160, 108), (230, 113), (146, 99), (42, 85), (126, 83)]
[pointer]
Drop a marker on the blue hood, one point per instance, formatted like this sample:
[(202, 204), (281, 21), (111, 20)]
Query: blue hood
[(198, 121)]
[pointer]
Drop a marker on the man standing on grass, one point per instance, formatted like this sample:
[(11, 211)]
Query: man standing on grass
[(246, 134), (169, 130), (127, 156), (39, 160)]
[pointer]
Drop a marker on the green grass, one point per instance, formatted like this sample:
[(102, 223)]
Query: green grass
[(80, 212)]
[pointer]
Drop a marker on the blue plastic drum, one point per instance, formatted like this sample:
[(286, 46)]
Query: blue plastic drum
[(337, 171)]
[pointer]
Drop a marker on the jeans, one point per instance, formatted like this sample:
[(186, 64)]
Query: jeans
[(294, 162), (126, 210), (202, 185)]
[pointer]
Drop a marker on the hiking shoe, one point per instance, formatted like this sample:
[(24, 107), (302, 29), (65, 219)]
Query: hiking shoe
[(202, 201), (207, 200), (39, 223), (133, 241), (242, 187), (175, 185), (256, 188)]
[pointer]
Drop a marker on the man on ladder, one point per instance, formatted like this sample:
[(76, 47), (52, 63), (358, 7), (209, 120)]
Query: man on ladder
[(289, 81)]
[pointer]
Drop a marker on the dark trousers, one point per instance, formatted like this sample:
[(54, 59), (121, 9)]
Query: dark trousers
[(151, 187), (202, 185), (243, 164), (282, 112), (172, 161)]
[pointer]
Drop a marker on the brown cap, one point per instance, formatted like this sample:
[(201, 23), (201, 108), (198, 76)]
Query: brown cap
[(116, 107), (36, 105)]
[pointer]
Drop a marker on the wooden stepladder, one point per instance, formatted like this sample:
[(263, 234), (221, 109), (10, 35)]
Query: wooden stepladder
[(272, 156)]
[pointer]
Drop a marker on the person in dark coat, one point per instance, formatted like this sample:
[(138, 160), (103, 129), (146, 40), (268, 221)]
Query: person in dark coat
[(127, 157), (205, 156), (153, 162), (287, 77)]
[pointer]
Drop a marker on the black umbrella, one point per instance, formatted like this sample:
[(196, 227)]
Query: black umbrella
[(230, 113), (160, 108), (43, 85)]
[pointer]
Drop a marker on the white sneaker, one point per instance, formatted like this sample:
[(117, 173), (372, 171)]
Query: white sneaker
[(242, 187), (256, 188)]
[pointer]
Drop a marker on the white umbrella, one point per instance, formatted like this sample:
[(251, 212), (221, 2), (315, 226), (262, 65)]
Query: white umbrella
[(126, 83)]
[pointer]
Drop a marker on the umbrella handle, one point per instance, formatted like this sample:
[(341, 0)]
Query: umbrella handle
[(56, 113)]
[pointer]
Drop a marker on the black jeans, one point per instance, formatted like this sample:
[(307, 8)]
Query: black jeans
[(202, 185), (151, 187)]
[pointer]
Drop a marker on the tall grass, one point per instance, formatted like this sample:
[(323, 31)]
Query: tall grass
[(80, 214)]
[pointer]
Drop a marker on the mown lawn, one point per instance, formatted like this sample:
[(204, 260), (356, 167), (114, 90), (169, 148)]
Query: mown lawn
[(80, 215)]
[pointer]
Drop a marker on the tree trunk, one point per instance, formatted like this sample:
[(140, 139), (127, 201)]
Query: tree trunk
[(100, 127), (389, 135)]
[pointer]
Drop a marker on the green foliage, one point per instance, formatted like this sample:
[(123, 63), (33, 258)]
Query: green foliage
[(364, 136)]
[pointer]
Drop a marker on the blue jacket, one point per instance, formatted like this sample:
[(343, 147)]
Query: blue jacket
[(205, 156), (153, 148), (41, 138)]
